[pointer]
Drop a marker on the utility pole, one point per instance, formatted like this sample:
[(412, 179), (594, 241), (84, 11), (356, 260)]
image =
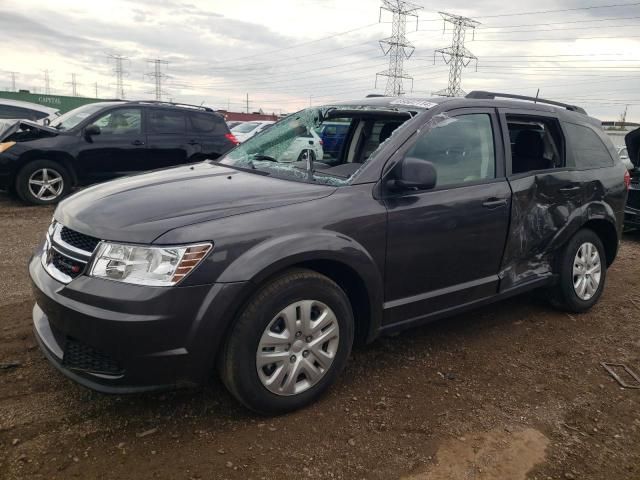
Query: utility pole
[(96, 87), (397, 47), (74, 85), (457, 56), (120, 73), (247, 103), (157, 76), (47, 84)]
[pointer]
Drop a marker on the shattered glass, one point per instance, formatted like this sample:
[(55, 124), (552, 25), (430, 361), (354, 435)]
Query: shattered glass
[(283, 150)]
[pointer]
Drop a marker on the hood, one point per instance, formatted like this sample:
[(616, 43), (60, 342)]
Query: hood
[(140, 208), (632, 140), (24, 130)]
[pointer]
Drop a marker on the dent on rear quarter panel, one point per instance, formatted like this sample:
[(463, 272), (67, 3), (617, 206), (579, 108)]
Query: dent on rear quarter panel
[(543, 219)]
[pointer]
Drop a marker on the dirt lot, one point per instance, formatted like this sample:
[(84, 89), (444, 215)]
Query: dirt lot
[(512, 391)]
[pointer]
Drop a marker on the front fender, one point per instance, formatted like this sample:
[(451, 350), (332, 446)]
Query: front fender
[(277, 254)]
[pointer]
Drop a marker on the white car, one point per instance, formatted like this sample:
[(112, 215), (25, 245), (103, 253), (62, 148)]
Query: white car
[(311, 143), (624, 156), (12, 110), (246, 130)]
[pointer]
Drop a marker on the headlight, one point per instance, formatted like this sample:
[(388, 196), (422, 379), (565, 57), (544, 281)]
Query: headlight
[(157, 266), (6, 146)]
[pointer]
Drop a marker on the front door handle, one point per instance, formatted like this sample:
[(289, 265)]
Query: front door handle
[(493, 203), (137, 143)]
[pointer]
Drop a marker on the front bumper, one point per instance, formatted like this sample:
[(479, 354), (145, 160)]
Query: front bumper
[(120, 338)]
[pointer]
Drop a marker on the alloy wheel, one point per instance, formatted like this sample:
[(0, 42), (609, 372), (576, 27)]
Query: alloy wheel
[(587, 271), (297, 348), (46, 184)]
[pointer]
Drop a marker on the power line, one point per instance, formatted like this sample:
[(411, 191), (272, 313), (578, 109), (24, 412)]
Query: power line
[(457, 56), (397, 47), (157, 75), (539, 12), (74, 85), (47, 83), (120, 73)]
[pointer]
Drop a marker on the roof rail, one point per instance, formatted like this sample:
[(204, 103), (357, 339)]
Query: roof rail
[(173, 104), (479, 94), (375, 95)]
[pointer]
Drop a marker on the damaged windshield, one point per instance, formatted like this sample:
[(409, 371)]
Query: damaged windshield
[(322, 145)]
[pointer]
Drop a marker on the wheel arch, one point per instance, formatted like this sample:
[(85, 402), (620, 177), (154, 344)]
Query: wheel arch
[(608, 235), (63, 158)]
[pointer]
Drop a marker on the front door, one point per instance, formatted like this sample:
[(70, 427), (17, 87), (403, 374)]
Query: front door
[(119, 149), (445, 245)]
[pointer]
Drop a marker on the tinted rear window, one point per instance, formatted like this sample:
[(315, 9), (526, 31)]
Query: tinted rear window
[(588, 151), (207, 124), (166, 121)]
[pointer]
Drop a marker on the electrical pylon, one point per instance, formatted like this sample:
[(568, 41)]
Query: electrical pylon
[(157, 76), (457, 56), (397, 47)]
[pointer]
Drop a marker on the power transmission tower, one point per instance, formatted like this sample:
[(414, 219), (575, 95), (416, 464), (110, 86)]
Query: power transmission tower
[(96, 87), (13, 81), (74, 85), (120, 73), (47, 83), (457, 56), (157, 76), (397, 47)]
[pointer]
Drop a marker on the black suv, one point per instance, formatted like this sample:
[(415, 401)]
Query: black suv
[(269, 271), (632, 212), (104, 140)]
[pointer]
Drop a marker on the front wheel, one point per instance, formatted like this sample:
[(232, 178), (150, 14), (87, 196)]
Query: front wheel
[(43, 182), (290, 343), (582, 273)]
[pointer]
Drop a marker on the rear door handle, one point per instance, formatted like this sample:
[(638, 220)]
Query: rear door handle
[(137, 142), (493, 203), (570, 189), (193, 142)]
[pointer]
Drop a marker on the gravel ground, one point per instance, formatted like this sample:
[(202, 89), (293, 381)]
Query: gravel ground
[(511, 391)]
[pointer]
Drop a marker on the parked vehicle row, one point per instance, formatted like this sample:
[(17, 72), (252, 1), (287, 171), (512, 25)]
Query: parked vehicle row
[(268, 270), (104, 140)]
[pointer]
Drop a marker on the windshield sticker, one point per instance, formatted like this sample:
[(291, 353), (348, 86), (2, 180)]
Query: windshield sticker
[(413, 103)]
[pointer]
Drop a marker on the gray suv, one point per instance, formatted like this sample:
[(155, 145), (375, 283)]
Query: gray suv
[(268, 272)]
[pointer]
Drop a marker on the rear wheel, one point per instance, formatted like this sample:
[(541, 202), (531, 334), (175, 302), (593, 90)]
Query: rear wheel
[(582, 272), (43, 182), (290, 343), (304, 155)]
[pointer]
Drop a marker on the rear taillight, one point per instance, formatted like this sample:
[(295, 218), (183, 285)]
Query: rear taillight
[(627, 179), (231, 138), (321, 142)]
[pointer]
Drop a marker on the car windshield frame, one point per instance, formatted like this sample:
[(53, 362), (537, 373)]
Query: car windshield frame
[(71, 119), (261, 154)]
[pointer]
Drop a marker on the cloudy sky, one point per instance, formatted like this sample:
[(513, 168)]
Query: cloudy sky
[(287, 54)]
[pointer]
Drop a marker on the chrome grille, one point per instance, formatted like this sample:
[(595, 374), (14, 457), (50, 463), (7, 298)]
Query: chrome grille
[(67, 252)]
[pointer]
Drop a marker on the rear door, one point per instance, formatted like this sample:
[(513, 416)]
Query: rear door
[(168, 142), (550, 169), (208, 130), (445, 245)]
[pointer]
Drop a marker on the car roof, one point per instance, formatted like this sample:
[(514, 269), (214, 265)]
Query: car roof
[(32, 106), (427, 103)]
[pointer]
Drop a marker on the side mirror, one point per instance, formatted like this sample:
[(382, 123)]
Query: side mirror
[(91, 130), (415, 174), (46, 122)]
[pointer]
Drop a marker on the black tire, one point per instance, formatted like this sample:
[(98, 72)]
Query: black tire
[(237, 366), (302, 159), (563, 295), (24, 191)]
